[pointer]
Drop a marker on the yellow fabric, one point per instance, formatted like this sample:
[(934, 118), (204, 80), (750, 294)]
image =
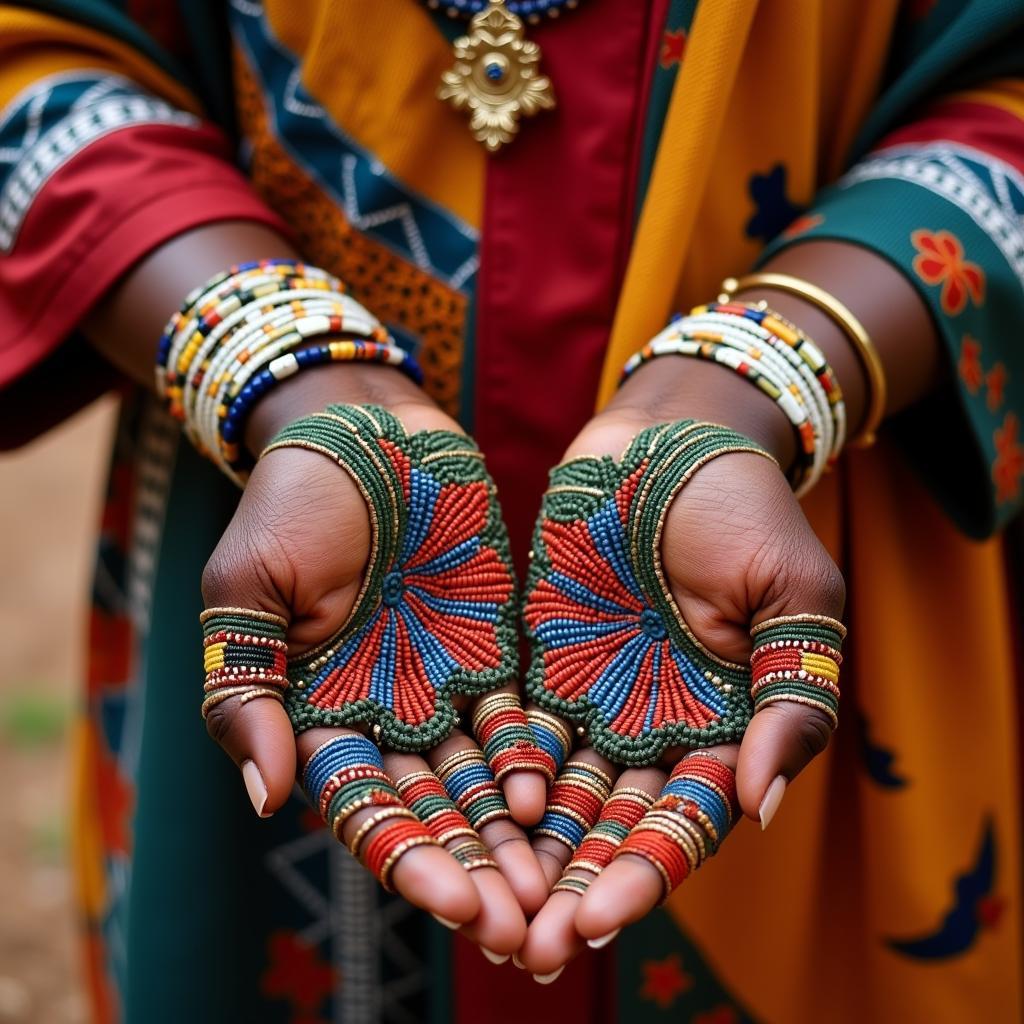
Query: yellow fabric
[(35, 45), (1005, 93)]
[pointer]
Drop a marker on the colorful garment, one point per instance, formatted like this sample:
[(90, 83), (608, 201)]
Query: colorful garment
[(688, 139)]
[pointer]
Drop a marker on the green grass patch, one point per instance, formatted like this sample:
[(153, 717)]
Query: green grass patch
[(30, 719)]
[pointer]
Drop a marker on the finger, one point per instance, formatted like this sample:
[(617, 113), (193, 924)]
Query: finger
[(459, 763), (522, 768), (552, 940), (245, 656), (551, 733), (574, 805), (499, 927), (344, 778), (686, 824), (795, 688)]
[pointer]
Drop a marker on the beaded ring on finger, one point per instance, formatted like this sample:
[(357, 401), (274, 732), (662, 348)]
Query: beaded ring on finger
[(469, 781), (574, 803), (688, 821), (797, 658), (503, 732), (551, 735), (244, 655), (622, 811)]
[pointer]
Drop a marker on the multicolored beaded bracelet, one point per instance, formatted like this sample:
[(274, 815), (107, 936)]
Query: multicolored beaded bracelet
[(797, 658), (436, 615), (550, 735), (470, 783), (241, 334), (504, 735), (610, 648), (244, 655), (574, 803), (688, 821)]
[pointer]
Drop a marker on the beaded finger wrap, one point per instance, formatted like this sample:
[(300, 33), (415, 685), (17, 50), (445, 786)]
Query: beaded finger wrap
[(345, 775), (430, 802), (578, 884), (436, 615), (797, 658), (775, 356), (620, 814), (468, 780), (550, 735), (389, 845), (610, 649), (244, 655), (688, 821), (239, 335), (506, 739), (574, 803)]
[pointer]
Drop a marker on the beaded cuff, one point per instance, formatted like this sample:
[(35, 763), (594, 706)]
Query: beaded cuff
[(437, 612), (610, 649)]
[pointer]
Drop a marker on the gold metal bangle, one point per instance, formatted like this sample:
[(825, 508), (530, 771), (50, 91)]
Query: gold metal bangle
[(845, 321)]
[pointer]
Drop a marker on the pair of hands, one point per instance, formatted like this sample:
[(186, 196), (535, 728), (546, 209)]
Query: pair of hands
[(736, 547)]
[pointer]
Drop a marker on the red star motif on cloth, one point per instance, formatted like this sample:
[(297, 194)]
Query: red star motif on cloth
[(673, 46), (969, 366), (665, 980), (940, 261), (297, 973), (995, 382), (719, 1015), (1008, 467), (990, 911)]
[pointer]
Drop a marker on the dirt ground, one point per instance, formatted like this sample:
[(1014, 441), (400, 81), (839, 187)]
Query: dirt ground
[(49, 507)]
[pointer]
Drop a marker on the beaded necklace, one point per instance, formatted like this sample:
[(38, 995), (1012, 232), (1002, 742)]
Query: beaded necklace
[(496, 75)]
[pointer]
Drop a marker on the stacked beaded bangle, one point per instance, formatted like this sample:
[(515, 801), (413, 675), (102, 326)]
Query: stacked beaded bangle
[(235, 337), (470, 783), (551, 735), (244, 655), (797, 658), (502, 730), (688, 821), (775, 356), (574, 803)]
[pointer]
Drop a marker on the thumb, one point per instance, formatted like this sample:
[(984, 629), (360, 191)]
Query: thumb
[(795, 688)]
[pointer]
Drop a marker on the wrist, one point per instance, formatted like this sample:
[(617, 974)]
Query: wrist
[(343, 383), (674, 387)]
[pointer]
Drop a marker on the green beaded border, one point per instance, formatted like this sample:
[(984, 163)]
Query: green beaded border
[(676, 452), (349, 435)]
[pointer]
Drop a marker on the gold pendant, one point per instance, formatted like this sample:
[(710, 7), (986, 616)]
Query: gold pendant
[(495, 76)]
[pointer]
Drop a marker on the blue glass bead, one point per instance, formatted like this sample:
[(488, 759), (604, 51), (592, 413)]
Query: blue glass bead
[(494, 71), (652, 624), (392, 589)]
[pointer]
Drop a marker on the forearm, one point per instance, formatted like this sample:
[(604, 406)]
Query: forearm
[(872, 289), (126, 326)]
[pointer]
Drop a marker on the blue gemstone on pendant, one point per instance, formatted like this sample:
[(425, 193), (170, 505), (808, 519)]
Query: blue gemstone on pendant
[(494, 71), (652, 624), (392, 589)]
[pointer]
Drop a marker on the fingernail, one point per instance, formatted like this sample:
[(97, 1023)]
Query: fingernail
[(772, 798), (454, 925), (518, 963), (255, 786), (546, 979), (603, 941), (495, 958)]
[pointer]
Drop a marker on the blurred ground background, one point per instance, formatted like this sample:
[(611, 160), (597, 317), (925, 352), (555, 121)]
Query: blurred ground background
[(49, 508)]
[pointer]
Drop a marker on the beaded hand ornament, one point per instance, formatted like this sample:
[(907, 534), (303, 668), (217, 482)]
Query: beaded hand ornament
[(437, 612), (610, 649)]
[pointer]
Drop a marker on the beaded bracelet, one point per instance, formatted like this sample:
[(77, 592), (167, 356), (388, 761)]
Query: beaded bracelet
[(504, 735), (436, 615), (775, 356), (234, 339), (797, 658), (688, 821), (244, 655), (550, 735), (468, 780), (610, 648), (574, 803)]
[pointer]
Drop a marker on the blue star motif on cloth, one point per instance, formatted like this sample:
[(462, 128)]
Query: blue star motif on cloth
[(773, 210)]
